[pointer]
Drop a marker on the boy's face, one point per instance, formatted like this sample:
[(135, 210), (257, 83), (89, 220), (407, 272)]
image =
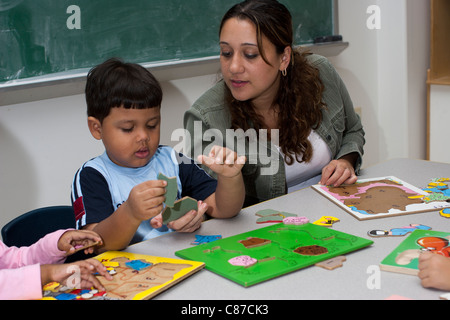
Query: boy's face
[(130, 136)]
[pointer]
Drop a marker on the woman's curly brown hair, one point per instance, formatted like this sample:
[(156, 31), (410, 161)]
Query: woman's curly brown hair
[(299, 100)]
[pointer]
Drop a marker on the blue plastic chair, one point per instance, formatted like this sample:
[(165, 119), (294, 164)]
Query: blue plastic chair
[(32, 226)]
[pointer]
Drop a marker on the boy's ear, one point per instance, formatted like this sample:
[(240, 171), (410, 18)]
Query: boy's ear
[(95, 127)]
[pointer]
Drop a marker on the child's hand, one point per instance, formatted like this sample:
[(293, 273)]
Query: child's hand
[(434, 271), (70, 240), (146, 199), (79, 274), (190, 222), (223, 161)]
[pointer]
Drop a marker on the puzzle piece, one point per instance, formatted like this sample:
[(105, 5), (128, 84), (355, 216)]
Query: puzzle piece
[(313, 250), (138, 264), (332, 263), (397, 297), (445, 213), (110, 264), (395, 232), (270, 219), (295, 220), (267, 212), (179, 209), (81, 247), (445, 296), (253, 242), (326, 221), (272, 216), (171, 189), (407, 256), (205, 239), (244, 261)]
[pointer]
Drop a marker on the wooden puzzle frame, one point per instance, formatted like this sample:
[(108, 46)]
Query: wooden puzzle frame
[(404, 258), (135, 277), (272, 251), (384, 197)]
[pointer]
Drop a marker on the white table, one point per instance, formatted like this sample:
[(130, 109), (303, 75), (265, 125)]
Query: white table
[(359, 278)]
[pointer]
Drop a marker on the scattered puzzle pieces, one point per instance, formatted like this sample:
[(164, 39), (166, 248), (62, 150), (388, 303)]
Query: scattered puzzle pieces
[(326, 221), (332, 263), (437, 190), (272, 216)]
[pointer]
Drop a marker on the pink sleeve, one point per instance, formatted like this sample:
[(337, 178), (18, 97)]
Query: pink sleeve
[(44, 251), (20, 273), (22, 283)]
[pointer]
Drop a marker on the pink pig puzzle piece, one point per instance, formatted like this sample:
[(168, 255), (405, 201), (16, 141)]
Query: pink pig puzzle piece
[(295, 220), (243, 261)]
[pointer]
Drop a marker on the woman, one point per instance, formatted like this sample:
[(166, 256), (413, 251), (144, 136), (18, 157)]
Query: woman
[(297, 98)]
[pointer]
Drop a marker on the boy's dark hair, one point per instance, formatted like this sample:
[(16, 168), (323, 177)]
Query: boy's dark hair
[(115, 83)]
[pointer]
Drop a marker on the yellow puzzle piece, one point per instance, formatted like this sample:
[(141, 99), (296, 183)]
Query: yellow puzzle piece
[(326, 221)]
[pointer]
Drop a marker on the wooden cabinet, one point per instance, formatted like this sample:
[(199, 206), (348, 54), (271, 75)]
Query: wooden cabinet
[(438, 83)]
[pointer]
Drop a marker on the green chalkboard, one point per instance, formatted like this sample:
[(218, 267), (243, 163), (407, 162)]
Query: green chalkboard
[(40, 37)]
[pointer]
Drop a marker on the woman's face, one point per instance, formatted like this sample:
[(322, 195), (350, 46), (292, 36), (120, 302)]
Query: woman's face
[(245, 72)]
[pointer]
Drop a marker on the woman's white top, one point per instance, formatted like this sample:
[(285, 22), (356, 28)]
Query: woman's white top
[(302, 175)]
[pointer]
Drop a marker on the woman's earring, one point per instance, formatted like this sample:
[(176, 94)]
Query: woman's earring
[(284, 72)]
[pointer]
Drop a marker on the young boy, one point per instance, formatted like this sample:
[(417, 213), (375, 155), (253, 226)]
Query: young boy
[(118, 194)]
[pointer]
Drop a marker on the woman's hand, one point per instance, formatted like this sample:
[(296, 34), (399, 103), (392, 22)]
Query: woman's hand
[(339, 172)]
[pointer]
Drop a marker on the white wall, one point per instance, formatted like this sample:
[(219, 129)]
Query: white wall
[(385, 72), (44, 142)]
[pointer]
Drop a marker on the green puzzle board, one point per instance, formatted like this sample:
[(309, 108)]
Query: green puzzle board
[(410, 243), (277, 257)]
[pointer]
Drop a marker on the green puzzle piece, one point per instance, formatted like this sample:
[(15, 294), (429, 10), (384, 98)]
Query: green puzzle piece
[(171, 189), (179, 209)]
